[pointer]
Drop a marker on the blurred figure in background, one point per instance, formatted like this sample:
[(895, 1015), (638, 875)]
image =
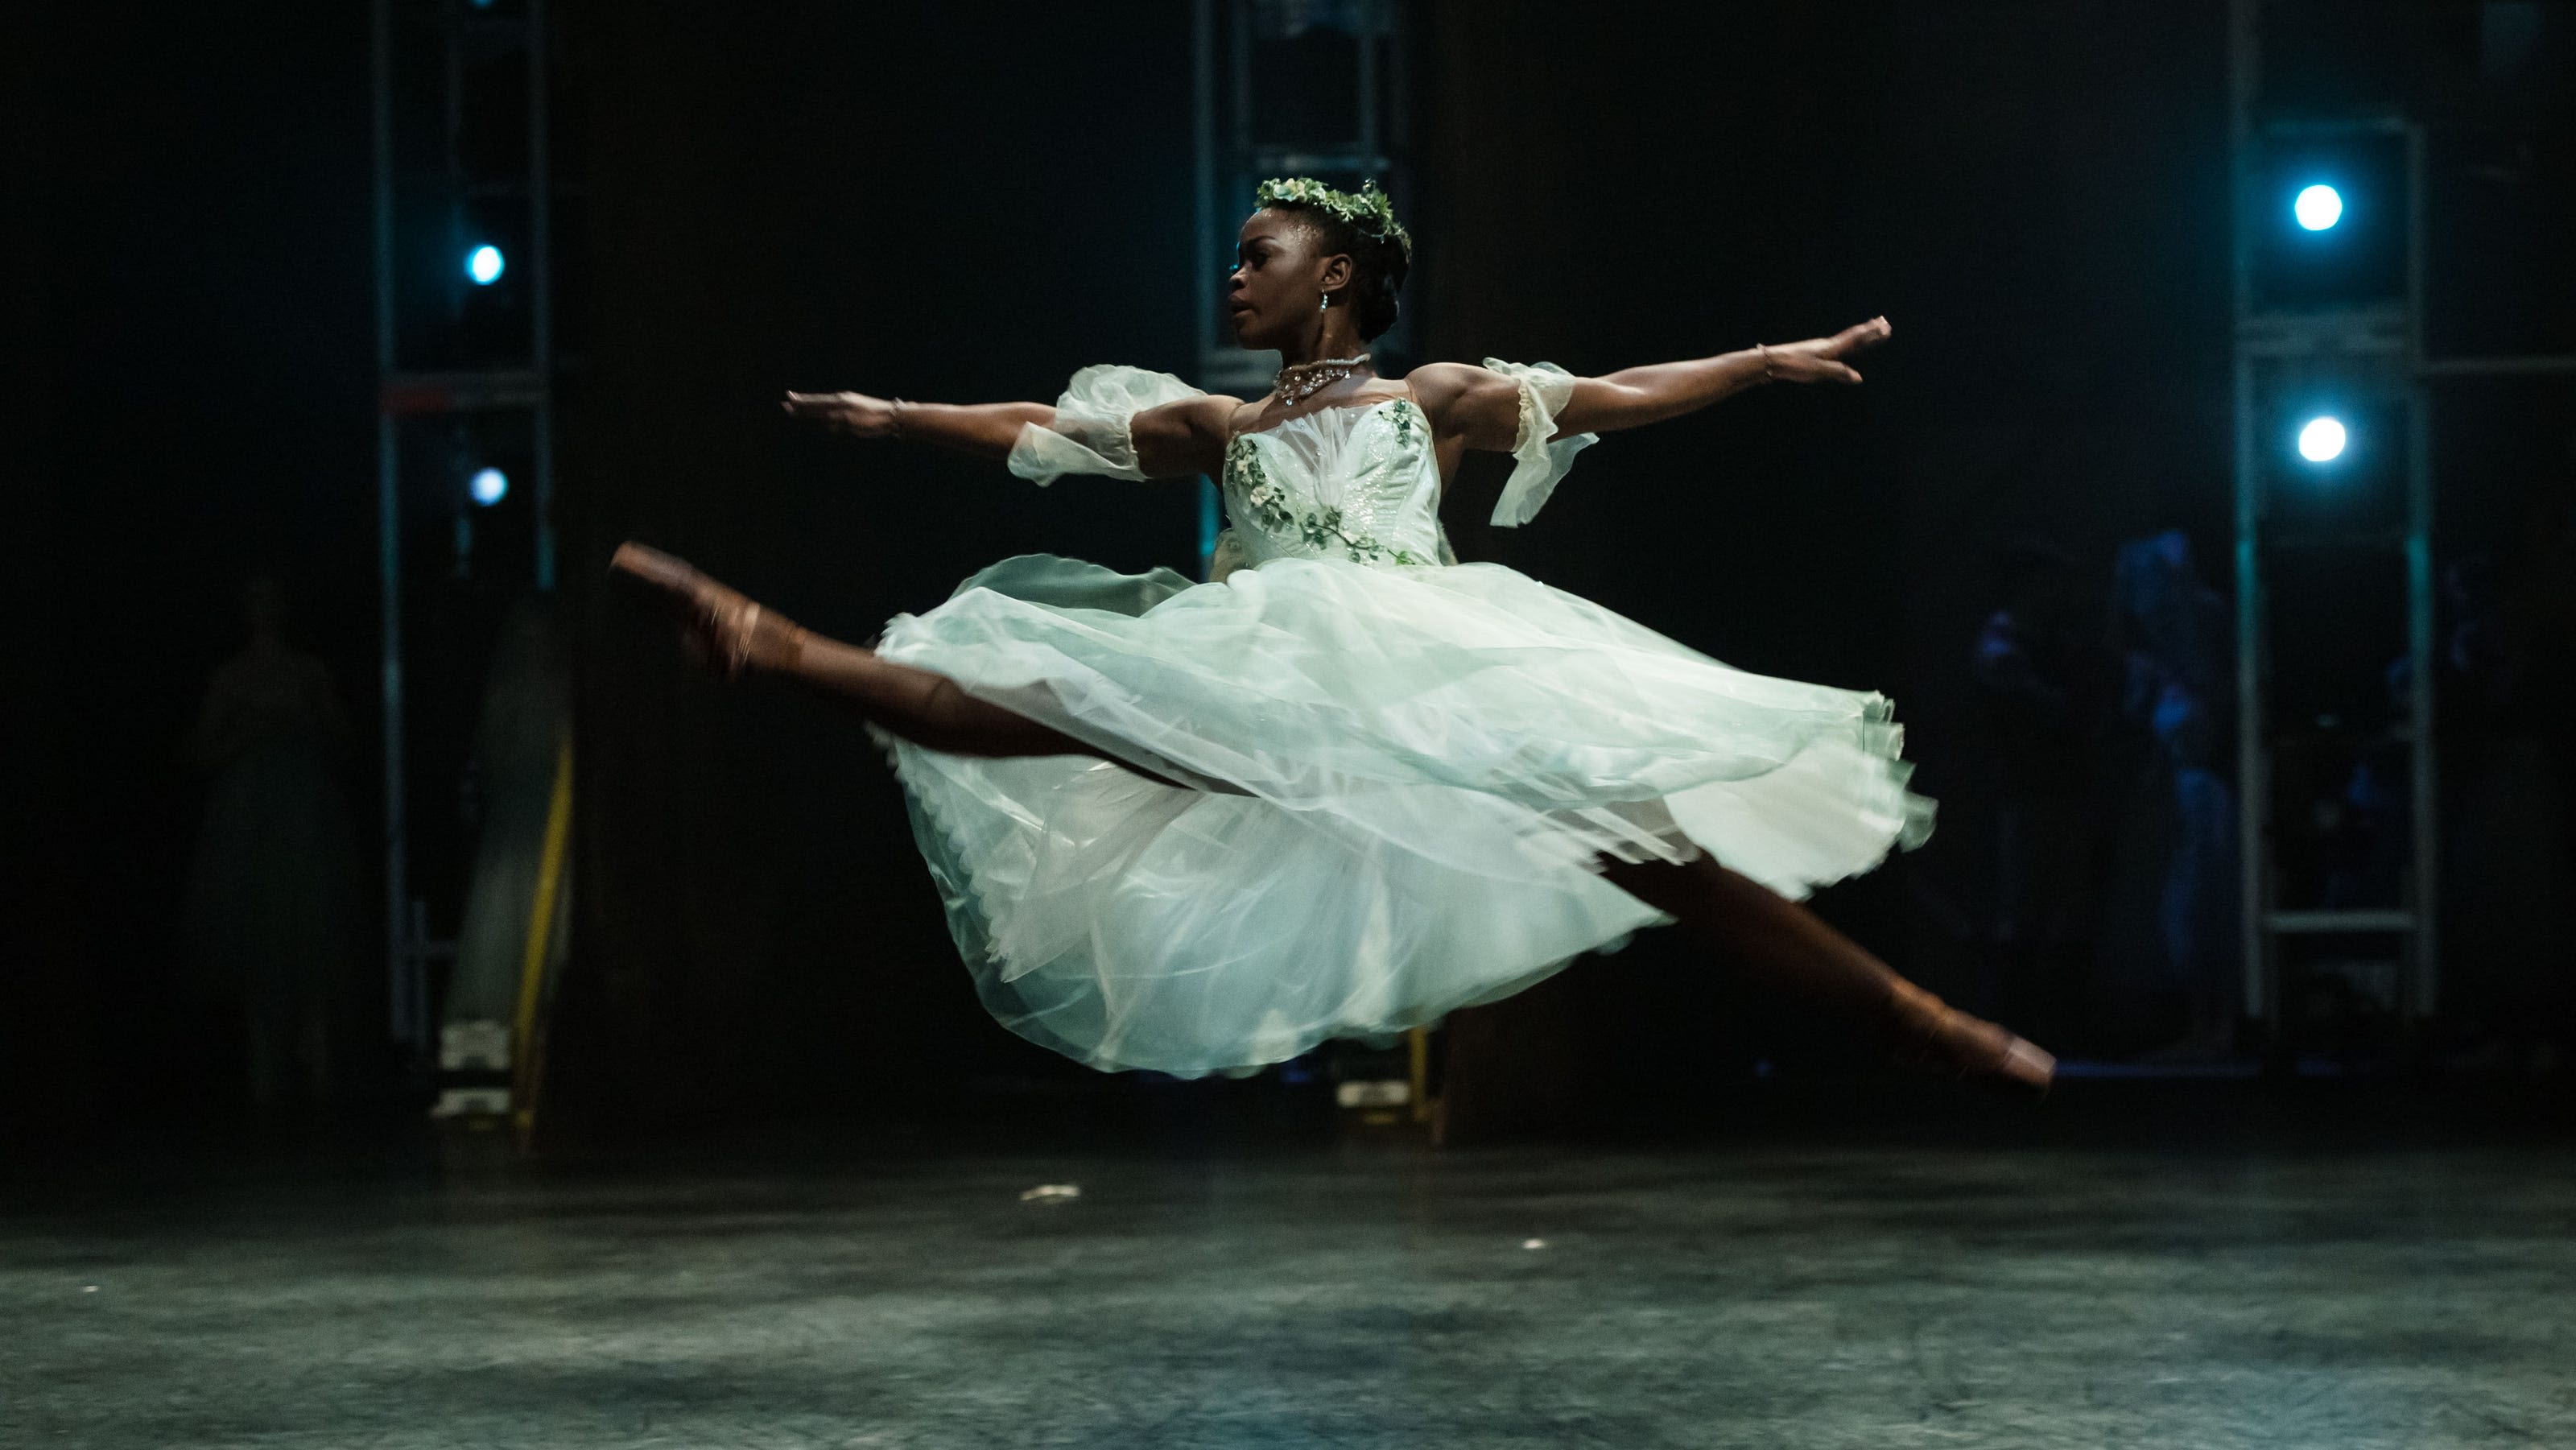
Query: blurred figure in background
[(2175, 884), (2040, 678), (272, 904)]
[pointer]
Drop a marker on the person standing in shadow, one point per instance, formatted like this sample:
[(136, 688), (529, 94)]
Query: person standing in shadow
[(2041, 680), (2175, 879), (272, 904)]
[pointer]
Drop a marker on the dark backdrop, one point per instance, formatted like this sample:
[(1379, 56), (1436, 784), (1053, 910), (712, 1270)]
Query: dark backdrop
[(189, 400), (969, 202)]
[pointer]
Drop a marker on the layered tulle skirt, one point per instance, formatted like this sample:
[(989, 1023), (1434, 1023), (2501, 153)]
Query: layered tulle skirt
[(1396, 789)]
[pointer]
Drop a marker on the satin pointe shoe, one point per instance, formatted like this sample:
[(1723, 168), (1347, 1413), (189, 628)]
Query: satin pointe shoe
[(1930, 1036)]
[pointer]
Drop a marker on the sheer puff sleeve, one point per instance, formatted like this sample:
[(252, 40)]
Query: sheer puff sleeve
[(1091, 424), (1538, 463)]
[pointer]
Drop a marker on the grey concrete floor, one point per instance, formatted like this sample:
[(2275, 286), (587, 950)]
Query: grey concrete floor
[(1759, 1296)]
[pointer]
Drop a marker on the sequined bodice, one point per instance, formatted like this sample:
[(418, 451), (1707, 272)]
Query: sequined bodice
[(1357, 482)]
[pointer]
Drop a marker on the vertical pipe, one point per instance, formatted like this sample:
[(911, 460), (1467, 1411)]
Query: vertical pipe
[(1203, 251), (1417, 1061), (1204, 256), (2424, 762), (1398, 128), (2415, 261), (1239, 17), (452, 32), (2253, 785), (541, 294), (1398, 132), (2261, 990), (398, 954), (1371, 27)]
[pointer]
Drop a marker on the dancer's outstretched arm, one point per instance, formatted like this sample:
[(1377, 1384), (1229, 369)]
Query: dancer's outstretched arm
[(1482, 407), (986, 430), (1175, 440)]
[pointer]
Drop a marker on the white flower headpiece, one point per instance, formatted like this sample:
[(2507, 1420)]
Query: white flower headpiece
[(1368, 211)]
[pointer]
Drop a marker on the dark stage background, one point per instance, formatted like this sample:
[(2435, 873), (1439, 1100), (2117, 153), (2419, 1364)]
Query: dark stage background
[(968, 202)]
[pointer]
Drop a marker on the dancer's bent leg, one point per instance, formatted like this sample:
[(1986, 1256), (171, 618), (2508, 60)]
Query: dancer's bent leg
[(738, 635), (1786, 948)]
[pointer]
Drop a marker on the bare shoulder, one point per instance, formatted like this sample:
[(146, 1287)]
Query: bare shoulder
[(1182, 437), (1436, 385), (1466, 401), (1206, 415), (1245, 413), (1212, 417)]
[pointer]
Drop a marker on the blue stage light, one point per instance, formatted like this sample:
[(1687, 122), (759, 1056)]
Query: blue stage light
[(2318, 207), (490, 487), (2322, 440), (484, 265)]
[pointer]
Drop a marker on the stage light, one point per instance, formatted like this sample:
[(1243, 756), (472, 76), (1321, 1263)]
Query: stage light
[(2318, 207), (484, 264), (2321, 441), (489, 487)]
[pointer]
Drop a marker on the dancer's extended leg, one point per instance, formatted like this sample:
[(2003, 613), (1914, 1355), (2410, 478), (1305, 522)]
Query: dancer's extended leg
[(739, 635), (1786, 948)]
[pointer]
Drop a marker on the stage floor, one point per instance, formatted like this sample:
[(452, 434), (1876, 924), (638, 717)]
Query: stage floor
[(1759, 1296)]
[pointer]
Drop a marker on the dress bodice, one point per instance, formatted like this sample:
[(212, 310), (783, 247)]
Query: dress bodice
[(1357, 482)]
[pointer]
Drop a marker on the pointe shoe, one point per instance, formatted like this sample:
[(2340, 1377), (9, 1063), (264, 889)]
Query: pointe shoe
[(1932, 1036), (722, 628)]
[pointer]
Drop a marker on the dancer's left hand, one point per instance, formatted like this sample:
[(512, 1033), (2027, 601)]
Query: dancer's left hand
[(857, 414), (1820, 359)]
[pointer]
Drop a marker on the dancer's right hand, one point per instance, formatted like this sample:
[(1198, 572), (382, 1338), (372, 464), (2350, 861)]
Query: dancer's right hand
[(856, 414)]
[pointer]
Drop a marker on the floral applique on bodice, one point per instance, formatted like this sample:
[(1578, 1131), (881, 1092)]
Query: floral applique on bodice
[(1357, 482)]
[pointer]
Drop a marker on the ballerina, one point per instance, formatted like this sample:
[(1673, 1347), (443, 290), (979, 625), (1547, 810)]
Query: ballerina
[(1348, 784)]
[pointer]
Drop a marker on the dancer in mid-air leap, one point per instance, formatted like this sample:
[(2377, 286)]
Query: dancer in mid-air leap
[(1348, 784)]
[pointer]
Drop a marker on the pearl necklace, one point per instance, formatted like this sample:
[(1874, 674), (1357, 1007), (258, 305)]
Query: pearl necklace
[(1311, 378)]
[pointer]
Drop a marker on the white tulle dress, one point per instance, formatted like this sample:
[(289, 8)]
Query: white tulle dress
[(1406, 771)]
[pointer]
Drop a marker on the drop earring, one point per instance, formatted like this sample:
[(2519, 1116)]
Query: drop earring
[(1324, 303)]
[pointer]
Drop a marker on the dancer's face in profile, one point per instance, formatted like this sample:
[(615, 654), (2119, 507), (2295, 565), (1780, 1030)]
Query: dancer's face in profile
[(1280, 271)]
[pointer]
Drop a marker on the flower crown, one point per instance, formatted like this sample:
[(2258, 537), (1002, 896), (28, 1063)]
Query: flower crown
[(1368, 211)]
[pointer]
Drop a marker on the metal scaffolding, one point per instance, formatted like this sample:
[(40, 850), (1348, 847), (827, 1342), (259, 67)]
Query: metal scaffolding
[(453, 355), (2319, 330)]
